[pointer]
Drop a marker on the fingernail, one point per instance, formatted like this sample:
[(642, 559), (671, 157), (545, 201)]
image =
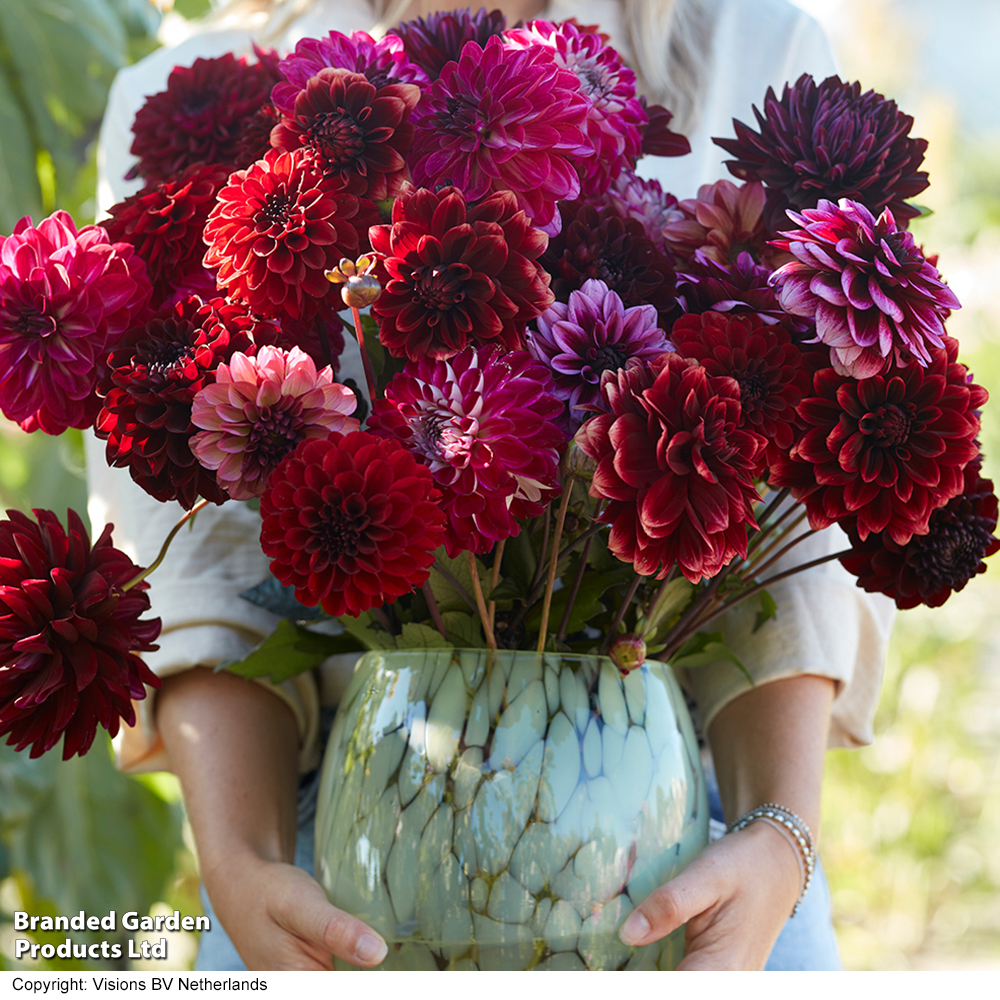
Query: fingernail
[(370, 949), (634, 929)]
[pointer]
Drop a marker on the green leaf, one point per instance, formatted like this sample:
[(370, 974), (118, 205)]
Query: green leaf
[(20, 193), (705, 648), (416, 636), (289, 650), (465, 631), (519, 563), (768, 610), (447, 596), (368, 631), (588, 604), (280, 600), (923, 210), (505, 590), (676, 597)]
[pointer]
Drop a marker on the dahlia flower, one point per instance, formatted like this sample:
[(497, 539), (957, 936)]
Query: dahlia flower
[(885, 450), (155, 375), (66, 297), (875, 297), (829, 141), (578, 342), (69, 634), (674, 467), (351, 522), (321, 339), (502, 119), (433, 41), (457, 275), (657, 138), (929, 568), (645, 201), (255, 136), (277, 226), (258, 410), (483, 423)]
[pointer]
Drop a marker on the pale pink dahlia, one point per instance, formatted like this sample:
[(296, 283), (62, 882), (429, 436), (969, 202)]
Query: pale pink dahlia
[(876, 299), (258, 411), (66, 298), (503, 118), (634, 197), (483, 423)]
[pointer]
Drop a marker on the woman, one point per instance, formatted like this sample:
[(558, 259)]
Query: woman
[(238, 748)]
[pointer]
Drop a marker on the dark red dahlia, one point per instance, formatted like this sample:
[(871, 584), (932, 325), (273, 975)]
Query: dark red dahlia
[(769, 369), (484, 425), (277, 227), (600, 243), (255, 137), (351, 521), (457, 275), (431, 42), (354, 128), (201, 115), (674, 467), (657, 138), (929, 568), (164, 223), (829, 141), (155, 375), (69, 634), (885, 450)]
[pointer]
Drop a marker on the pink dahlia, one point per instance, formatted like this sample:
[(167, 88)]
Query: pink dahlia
[(259, 409), (351, 522), (433, 41), (483, 423), (634, 197), (66, 297), (674, 466), (69, 634), (503, 119), (876, 299), (592, 334)]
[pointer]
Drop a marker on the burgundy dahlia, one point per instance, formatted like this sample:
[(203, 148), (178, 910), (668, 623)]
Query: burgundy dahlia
[(355, 129), (674, 468), (929, 568), (199, 118), (69, 634), (433, 41), (277, 227), (66, 297), (874, 296), (829, 141), (351, 521), (885, 450), (657, 138), (483, 423), (504, 119), (255, 137), (155, 375), (457, 275)]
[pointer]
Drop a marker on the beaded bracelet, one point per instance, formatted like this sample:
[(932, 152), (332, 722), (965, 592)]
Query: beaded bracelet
[(796, 832)]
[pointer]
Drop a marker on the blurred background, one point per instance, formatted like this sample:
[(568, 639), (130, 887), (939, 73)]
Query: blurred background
[(911, 825)]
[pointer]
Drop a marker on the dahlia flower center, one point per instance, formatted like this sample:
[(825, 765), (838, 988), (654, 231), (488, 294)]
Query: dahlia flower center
[(441, 288), (755, 386), (888, 425), (609, 357), (337, 137), (905, 256), (30, 323), (950, 557), (276, 212), (446, 437), (161, 357), (273, 436), (463, 116), (339, 531), (594, 81)]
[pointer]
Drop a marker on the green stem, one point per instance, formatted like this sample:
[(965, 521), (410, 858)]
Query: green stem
[(620, 613), (577, 580), (166, 545), (551, 582)]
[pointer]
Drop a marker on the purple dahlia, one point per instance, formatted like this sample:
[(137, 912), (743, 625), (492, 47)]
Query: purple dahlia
[(433, 41)]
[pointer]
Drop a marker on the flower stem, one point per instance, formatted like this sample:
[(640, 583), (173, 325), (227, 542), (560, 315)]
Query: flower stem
[(435, 611), (477, 588), (757, 570), (755, 557), (365, 359), (495, 579), (166, 545), (620, 614), (551, 581), (540, 568), (580, 570)]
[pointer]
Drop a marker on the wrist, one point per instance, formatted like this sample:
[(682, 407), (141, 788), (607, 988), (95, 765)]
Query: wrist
[(779, 864)]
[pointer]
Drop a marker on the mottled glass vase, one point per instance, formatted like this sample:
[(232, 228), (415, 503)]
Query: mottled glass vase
[(506, 810)]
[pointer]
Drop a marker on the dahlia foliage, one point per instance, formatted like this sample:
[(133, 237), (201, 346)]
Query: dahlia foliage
[(584, 413)]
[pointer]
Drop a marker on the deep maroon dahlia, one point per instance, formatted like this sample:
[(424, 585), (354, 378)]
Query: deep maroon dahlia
[(351, 521), (875, 297), (255, 137), (155, 375), (165, 222), (674, 467), (504, 119), (483, 423), (431, 42), (770, 370), (599, 243), (929, 568), (199, 118), (69, 634), (457, 275), (354, 129), (277, 227), (657, 138), (885, 450), (66, 297)]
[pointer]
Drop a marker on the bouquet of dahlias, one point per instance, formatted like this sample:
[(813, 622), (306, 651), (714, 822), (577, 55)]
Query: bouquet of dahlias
[(597, 416)]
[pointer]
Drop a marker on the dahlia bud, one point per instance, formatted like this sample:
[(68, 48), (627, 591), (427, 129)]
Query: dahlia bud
[(577, 463), (361, 287), (628, 652)]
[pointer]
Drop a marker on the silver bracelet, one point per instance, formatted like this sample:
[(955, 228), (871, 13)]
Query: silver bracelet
[(796, 832)]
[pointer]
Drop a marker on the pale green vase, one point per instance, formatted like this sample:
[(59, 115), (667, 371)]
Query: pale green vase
[(508, 810)]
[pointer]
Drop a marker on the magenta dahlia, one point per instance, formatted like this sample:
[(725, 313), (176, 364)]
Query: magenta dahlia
[(874, 296), (433, 41), (483, 423), (885, 450), (351, 522), (674, 467), (69, 634), (457, 275), (829, 141), (504, 119), (258, 410), (66, 297)]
